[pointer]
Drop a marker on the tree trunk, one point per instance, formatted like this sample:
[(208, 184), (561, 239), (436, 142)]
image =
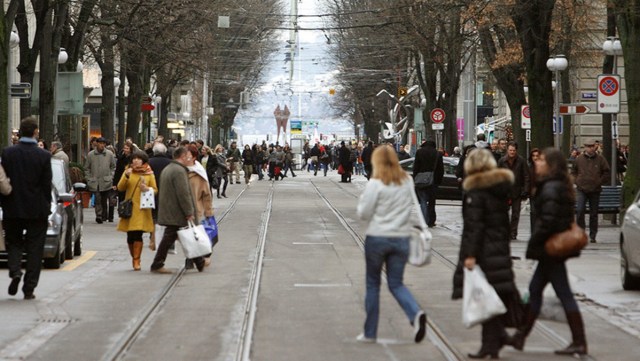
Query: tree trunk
[(107, 110), (121, 103), (533, 23), (628, 21)]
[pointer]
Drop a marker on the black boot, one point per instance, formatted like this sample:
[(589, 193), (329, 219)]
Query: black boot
[(579, 343), (518, 339), (483, 354)]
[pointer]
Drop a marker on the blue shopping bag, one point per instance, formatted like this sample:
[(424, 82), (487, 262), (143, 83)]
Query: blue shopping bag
[(211, 227)]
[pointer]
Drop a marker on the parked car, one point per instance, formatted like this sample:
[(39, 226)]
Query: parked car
[(449, 188), (630, 247), (64, 231)]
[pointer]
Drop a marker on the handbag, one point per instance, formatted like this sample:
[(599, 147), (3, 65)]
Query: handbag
[(425, 179), (214, 183), (480, 301), (211, 227), (125, 208), (194, 240), (147, 200), (420, 239), (566, 243), (340, 169)]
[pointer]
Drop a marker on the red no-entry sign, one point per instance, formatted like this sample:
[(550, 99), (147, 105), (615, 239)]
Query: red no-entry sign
[(437, 115)]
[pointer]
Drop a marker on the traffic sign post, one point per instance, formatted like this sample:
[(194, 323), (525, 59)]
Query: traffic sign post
[(525, 117), (609, 94), (437, 116), (614, 131)]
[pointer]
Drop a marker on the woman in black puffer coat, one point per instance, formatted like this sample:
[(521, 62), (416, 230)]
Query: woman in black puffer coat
[(554, 207), (485, 239)]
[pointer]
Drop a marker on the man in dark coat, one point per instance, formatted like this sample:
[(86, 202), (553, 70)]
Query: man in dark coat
[(26, 209), (366, 159), (344, 156), (428, 159), (521, 186), (176, 207)]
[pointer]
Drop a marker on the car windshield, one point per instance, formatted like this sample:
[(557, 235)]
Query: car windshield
[(58, 179)]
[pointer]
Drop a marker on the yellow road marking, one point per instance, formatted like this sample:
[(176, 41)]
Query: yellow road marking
[(79, 261)]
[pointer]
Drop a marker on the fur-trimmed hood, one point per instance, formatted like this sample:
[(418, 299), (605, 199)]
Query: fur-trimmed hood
[(488, 179)]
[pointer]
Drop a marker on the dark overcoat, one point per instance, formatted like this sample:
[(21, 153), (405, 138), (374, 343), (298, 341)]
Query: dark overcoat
[(486, 231)]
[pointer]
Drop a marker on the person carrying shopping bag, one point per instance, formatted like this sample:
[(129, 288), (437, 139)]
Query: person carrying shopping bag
[(137, 178), (485, 240), (383, 204), (554, 201)]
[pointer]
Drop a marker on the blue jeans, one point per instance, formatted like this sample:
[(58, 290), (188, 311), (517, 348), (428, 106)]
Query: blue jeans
[(394, 253), (554, 271), (427, 200), (581, 203)]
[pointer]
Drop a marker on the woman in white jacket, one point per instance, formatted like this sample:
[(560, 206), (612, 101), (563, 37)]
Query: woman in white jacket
[(386, 205)]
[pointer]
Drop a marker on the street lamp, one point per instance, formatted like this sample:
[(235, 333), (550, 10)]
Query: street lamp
[(613, 47), (116, 85), (14, 40), (62, 58), (557, 64)]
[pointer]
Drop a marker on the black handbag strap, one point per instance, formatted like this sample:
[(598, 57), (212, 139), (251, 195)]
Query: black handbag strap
[(134, 188)]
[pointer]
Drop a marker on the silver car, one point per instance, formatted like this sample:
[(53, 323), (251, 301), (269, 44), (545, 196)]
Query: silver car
[(630, 247)]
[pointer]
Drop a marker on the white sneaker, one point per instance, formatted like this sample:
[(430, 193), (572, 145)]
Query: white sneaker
[(419, 326), (362, 338)]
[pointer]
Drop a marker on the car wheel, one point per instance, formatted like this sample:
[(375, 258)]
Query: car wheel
[(55, 261), (77, 245), (629, 282), (68, 245)]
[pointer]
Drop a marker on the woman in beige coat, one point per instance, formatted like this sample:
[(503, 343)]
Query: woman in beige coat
[(200, 190), (137, 178)]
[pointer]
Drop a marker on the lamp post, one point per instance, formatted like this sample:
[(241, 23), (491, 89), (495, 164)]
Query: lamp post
[(14, 40), (116, 85), (613, 47), (557, 64), (62, 59)]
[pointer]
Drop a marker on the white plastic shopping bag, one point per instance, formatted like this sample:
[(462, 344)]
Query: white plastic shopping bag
[(194, 240), (147, 200), (480, 301)]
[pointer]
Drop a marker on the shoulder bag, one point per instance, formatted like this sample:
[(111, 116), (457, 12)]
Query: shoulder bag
[(425, 179), (194, 240), (125, 208), (420, 239), (567, 243)]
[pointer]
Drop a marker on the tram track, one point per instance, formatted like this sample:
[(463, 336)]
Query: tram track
[(119, 351)]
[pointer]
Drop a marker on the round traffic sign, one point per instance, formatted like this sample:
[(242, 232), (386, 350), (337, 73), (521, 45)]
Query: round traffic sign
[(437, 115), (609, 86), (526, 112)]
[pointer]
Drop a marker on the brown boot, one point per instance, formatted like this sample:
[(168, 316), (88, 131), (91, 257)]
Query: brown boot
[(579, 343), (152, 241), (137, 251)]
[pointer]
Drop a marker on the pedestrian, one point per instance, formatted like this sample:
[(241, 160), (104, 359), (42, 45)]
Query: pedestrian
[(403, 154), (279, 157), (176, 205), (385, 205), (58, 153), (26, 209), (520, 188), (314, 154), (262, 158), (428, 159), (234, 157), (325, 159), (100, 168), (534, 154), (591, 171), (485, 240), (344, 154), (553, 200), (288, 161), (138, 177), (202, 199), (219, 163), (157, 162), (247, 163), (366, 159), (43, 145)]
